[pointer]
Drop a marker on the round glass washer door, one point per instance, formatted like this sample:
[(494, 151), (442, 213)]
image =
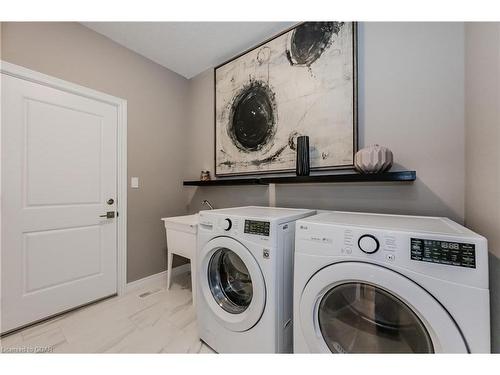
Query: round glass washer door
[(361, 318), (231, 283), (358, 307)]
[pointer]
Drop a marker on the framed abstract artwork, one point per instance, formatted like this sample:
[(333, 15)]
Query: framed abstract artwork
[(300, 82)]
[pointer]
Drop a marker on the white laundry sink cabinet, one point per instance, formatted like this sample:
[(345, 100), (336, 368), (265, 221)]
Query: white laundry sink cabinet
[(181, 234)]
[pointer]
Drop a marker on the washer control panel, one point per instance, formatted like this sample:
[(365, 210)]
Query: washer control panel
[(228, 224), (260, 228)]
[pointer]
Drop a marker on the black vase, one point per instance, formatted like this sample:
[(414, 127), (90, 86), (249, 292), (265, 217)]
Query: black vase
[(302, 167)]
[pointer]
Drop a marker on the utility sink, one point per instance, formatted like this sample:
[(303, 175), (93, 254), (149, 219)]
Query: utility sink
[(181, 240), (186, 223)]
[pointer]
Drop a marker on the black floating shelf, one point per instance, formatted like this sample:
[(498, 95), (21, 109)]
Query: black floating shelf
[(396, 176)]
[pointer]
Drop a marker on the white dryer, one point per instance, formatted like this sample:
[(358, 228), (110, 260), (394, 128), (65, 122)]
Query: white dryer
[(245, 278), (370, 283)]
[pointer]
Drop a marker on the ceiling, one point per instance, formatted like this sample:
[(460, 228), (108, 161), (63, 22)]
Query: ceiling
[(188, 48)]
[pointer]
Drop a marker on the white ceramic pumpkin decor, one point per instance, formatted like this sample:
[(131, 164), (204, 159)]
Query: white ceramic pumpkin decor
[(373, 159)]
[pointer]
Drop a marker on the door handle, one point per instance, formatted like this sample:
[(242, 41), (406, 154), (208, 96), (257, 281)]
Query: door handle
[(109, 215)]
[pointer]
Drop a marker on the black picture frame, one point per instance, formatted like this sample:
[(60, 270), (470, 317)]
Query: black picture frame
[(354, 102)]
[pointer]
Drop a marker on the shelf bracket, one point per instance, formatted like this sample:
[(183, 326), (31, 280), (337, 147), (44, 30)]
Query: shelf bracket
[(271, 191)]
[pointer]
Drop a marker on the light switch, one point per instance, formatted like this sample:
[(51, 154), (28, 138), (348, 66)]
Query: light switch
[(134, 182)]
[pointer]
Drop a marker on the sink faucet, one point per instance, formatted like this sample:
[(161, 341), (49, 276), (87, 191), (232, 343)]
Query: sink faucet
[(207, 203)]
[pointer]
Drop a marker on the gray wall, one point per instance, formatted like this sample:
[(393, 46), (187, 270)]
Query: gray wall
[(411, 94), (200, 156), (157, 101), (482, 194)]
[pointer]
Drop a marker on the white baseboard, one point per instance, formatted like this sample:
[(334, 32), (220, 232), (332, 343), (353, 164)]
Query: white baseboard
[(156, 280)]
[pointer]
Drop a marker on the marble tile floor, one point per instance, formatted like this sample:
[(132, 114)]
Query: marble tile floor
[(151, 319)]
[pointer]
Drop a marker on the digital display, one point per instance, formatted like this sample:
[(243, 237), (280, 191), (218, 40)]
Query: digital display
[(443, 252), (257, 227)]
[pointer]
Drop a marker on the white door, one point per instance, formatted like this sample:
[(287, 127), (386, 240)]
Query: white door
[(59, 153), (354, 307), (232, 283)]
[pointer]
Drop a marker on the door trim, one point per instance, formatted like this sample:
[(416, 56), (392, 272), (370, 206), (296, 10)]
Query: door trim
[(121, 106)]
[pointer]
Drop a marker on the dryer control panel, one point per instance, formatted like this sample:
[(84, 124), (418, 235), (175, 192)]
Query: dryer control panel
[(455, 254), (443, 252)]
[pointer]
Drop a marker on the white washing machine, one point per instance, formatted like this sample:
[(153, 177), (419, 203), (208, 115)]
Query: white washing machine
[(369, 283), (245, 278)]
